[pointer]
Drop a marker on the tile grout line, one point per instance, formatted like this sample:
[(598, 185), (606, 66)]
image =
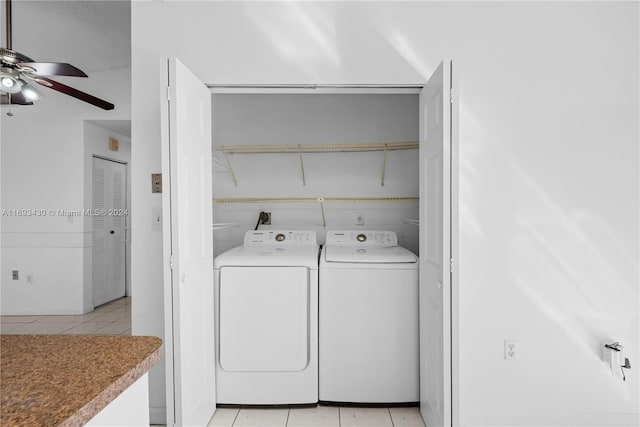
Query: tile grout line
[(68, 329), (235, 418)]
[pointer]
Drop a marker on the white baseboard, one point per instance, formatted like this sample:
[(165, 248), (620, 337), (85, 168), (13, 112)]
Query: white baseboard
[(158, 415)]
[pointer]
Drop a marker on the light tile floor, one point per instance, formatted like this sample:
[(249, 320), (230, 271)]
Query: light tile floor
[(320, 416), (113, 318)]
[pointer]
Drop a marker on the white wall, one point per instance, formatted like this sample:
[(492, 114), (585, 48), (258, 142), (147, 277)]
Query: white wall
[(549, 184), (43, 167)]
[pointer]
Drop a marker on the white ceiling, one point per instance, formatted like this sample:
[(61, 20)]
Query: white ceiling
[(121, 127), (93, 35)]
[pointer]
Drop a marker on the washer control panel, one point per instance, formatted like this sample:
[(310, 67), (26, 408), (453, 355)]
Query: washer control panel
[(362, 238), (280, 237)]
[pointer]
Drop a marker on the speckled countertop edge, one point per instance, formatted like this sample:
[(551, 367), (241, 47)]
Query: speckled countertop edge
[(66, 380), (101, 401)]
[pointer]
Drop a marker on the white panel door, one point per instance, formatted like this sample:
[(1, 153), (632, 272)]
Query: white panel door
[(436, 142), (188, 248), (108, 224)]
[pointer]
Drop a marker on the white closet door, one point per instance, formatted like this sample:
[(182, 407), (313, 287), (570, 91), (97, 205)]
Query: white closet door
[(188, 248), (109, 205), (436, 142)]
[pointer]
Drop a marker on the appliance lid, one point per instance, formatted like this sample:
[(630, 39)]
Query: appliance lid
[(370, 255), (269, 255)]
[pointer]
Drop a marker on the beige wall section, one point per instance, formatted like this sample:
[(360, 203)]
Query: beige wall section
[(549, 195)]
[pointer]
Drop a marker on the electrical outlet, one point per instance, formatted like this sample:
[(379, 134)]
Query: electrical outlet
[(15, 275), (510, 350), (360, 218), (29, 278), (267, 217)]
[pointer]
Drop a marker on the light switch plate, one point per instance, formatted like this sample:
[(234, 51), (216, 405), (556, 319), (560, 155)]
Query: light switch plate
[(156, 183)]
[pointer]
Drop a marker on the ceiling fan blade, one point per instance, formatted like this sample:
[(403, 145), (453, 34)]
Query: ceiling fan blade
[(14, 99), (52, 69), (52, 84)]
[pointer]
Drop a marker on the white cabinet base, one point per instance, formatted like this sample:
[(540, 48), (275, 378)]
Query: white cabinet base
[(129, 409)]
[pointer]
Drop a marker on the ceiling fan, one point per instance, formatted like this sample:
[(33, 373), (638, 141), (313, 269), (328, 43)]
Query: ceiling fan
[(18, 72)]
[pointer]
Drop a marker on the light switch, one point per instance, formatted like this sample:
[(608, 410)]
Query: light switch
[(156, 183)]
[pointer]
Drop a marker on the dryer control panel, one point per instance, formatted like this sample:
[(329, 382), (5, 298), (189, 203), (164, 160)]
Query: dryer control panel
[(362, 238), (280, 237)]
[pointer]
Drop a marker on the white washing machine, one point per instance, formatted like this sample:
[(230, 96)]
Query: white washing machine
[(368, 319), (266, 294)]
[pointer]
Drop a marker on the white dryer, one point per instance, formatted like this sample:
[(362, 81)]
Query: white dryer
[(368, 319), (266, 294)]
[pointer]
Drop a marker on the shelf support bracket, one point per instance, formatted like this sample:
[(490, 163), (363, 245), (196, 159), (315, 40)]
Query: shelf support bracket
[(304, 179), (233, 175), (384, 166), (324, 220)]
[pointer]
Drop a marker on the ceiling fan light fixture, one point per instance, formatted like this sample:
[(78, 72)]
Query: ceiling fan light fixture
[(18, 72), (30, 93), (10, 81)]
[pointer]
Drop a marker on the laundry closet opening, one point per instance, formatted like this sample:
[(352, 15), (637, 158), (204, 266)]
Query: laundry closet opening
[(319, 159), (315, 161)]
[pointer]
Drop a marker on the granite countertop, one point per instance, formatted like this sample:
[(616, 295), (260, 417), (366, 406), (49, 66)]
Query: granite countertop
[(65, 380)]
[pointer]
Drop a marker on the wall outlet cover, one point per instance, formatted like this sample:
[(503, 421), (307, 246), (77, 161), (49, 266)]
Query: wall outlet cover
[(267, 220), (510, 350)]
